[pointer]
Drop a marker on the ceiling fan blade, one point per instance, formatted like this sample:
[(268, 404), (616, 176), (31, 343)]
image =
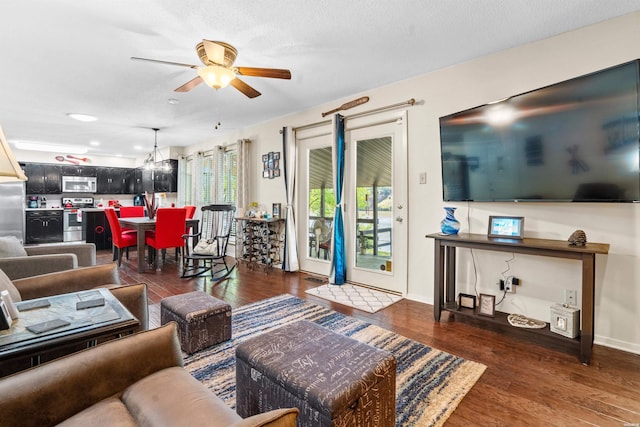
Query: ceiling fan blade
[(189, 85), (164, 62), (274, 73), (215, 52), (244, 88)]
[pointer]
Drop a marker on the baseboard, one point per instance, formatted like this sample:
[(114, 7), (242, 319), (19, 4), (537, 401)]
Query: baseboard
[(617, 344), (418, 298)]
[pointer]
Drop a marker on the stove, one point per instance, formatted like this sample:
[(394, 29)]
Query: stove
[(77, 202), (72, 217)]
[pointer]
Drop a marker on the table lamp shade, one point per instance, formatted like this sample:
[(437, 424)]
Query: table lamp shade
[(10, 170)]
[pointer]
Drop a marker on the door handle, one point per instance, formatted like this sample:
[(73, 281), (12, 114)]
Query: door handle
[(399, 219)]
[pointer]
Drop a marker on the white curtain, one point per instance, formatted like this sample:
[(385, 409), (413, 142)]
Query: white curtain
[(216, 184), (182, 181), (243, 173), (290, 262), (199, 178)]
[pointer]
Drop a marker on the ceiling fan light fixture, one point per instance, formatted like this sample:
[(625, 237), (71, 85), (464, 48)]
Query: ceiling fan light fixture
[(216, 76)]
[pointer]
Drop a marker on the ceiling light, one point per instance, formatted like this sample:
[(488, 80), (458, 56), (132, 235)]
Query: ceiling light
[(94, 143), (216, 76), (50, 148), (173, 101), (82, 117), (151, 162)]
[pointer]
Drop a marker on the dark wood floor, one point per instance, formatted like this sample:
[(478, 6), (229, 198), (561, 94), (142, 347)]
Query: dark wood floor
[(524, 384)]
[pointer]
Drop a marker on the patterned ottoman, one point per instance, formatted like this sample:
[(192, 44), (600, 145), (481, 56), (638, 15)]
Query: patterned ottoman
[(332, 379), (202, 319)]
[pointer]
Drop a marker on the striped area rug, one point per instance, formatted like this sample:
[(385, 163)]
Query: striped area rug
[(429, 383)]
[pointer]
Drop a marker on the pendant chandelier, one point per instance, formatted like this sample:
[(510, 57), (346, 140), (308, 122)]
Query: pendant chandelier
[(151, 162)]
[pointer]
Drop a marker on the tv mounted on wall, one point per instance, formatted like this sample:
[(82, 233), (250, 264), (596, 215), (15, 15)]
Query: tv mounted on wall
[(578, 140)]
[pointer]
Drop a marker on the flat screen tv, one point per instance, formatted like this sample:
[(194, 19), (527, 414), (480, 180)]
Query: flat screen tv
[(578, 140)]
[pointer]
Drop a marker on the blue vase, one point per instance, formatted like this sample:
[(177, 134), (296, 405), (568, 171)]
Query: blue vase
[(450, 225)]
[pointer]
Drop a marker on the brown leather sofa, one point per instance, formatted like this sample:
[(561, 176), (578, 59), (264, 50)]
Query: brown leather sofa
[(133, 381), (134, 297)]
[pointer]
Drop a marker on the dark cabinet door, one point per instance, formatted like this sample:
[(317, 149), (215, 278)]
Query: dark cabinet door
[(78, 170), (43, 178), (43, 227), (111, 180), (52, 179), (35, 173), (167, 177), (95, 229), (129, 181)]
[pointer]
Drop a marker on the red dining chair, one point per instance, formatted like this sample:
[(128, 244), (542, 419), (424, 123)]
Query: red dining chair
[(191, 210), (170, 227), (129, 212), (121, 239)]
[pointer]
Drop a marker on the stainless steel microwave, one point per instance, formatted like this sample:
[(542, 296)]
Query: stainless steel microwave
[(79, 184)]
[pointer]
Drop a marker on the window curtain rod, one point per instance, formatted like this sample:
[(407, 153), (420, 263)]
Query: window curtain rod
[(409, 102)]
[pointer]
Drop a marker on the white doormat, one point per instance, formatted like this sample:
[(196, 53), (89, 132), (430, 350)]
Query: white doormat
[(365, 299)]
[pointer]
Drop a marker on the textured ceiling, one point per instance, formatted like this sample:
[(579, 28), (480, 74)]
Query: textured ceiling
[(68, 56)]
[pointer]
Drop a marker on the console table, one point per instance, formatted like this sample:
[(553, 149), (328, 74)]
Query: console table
[(444, 287)]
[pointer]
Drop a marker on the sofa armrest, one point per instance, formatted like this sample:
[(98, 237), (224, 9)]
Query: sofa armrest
[(52, 392), (86, 252), (134, 298), (26, 266), (62, 282)]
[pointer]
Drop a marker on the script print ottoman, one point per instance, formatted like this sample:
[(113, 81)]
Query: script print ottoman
[(202, 320), (332, 379)]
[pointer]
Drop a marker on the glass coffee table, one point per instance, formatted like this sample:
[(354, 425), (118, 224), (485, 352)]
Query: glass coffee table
[(62, 327)]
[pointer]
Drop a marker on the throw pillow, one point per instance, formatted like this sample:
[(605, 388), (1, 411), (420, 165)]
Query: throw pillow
[(206, 247), (10, 246), (7, 285)]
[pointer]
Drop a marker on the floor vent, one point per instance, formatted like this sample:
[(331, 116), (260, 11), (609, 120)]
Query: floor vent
[(314, 279)]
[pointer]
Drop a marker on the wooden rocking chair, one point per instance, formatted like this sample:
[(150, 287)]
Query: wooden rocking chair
[(208, 254)]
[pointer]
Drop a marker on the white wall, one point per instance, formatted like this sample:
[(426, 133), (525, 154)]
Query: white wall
[(617, 306)]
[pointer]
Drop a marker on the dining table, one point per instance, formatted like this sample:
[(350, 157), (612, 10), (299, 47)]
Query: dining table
[(142, 224)]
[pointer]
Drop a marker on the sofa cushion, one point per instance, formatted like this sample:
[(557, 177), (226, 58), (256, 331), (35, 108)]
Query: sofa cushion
[(7, 285), (10, 246), (171, 396), (108, 412)]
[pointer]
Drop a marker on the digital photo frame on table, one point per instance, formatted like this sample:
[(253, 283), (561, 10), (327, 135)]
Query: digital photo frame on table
[(506, 227)]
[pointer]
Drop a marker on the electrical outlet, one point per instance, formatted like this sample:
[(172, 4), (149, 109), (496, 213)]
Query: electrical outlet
[(423, 177), (508, 285), (571, 297)]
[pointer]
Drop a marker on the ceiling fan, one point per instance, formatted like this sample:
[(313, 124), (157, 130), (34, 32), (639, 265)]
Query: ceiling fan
[(218, 71)]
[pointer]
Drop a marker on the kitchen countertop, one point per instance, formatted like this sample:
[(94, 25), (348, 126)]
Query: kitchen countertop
[(44, 209)]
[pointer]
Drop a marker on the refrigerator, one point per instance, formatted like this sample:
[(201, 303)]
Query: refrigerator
[(12, 209)]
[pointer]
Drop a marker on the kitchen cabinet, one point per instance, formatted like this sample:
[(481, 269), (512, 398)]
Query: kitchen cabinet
[(43, 178), (78, 170), (166, 179), (142, 181), (112, 180), (162, 180), (95, 228), (43, 226)]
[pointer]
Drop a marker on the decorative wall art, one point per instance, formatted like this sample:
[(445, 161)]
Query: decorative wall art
[(271, 165)]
